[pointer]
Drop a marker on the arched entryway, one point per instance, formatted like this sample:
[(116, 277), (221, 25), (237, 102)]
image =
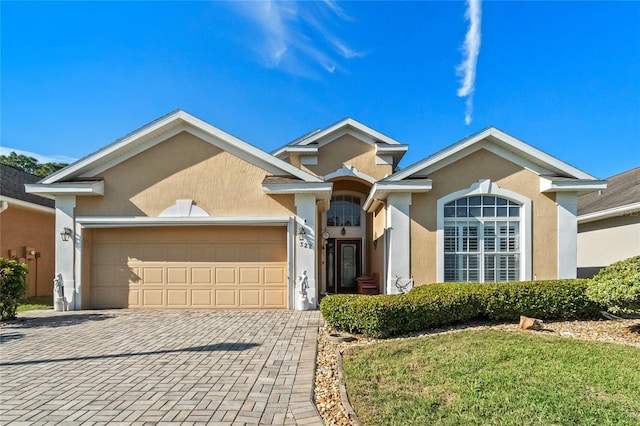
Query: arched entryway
[(346, 237)]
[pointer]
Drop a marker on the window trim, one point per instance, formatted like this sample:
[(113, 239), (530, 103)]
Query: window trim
[(486, 187)]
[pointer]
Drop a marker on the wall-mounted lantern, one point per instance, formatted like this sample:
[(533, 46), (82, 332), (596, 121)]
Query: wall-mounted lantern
[(66, 234), (344, 231)]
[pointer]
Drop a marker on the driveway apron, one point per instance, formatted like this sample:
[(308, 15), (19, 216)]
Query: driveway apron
[(159, 367)]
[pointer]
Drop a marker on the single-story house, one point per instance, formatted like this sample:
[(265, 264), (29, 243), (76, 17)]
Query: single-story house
[(182, 214), (27, 224), (609, 223)]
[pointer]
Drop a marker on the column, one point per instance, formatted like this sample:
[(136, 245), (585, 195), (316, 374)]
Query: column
[(567, 203), (65, 250), (306, 277), (399, 231)]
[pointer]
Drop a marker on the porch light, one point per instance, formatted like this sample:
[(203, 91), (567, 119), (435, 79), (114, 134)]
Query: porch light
[(343, 231), (66, 234)]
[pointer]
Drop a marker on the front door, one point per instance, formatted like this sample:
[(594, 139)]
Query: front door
[(344, 260)]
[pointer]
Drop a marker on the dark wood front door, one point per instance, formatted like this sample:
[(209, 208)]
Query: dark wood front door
[(344, 261)]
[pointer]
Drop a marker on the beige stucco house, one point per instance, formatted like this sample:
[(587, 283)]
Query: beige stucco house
[(27, 224), (181, 214), (609, 223)]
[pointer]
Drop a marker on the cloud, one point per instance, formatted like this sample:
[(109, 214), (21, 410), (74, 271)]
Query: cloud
[(41, 158), (470, 49), (299, 37)]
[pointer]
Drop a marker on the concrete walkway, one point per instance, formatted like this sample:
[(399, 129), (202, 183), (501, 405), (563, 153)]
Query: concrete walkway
[(159, 367)]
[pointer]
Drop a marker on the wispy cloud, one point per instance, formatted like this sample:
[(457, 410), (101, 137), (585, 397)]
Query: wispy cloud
[(470, 49), (299, 37), (41, 158)]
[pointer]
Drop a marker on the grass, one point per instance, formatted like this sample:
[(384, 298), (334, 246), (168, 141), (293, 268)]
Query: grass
[(37, 302), (494, 378)]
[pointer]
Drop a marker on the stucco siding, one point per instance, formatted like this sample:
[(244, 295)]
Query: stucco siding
[(185, 167), (349, 151), (461, 174), (20, 228), (603, 242)]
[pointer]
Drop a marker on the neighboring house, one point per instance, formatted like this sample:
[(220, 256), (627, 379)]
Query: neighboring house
[(27, 224), (181, 214), (609, 223)]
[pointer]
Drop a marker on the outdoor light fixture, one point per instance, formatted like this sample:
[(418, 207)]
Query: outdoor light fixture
[(343, 231), (66, 234), (301, 233)]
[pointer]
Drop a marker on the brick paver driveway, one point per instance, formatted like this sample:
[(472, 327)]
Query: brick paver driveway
[(164, 366)]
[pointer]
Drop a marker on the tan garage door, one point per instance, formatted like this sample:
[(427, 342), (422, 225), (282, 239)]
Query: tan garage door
[(189, 267)]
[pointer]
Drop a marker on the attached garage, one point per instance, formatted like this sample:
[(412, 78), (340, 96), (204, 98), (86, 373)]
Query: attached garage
[(189, 267)]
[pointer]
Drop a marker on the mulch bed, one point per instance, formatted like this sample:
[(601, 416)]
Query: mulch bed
[(327, 388)]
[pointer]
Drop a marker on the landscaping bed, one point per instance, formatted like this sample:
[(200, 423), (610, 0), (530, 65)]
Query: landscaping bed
[(327, 391)]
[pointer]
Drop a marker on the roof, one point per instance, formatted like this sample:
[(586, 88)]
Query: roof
[(502, 144), (158, 131), (623, 189), (12, 183)]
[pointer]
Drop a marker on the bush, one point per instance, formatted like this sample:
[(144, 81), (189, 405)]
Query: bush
[(13, 287), (435, 305), (617, 287)]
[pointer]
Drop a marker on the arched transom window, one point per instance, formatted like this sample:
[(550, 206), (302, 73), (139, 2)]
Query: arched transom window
[(344, 210), (482, 239)]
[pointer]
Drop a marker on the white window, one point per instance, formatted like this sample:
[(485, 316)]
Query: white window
[(344, 210), (481, 239), (484, 235)]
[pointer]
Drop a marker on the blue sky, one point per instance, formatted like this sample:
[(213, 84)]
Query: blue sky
[(562, 76)]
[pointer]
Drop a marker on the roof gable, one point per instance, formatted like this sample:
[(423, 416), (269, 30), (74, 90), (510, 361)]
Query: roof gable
[(163, 129), (501, 144)]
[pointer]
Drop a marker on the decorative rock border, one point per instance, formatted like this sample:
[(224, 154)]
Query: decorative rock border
[(355, 421)]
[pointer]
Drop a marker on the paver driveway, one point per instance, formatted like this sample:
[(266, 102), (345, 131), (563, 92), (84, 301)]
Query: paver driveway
[(148, 367)]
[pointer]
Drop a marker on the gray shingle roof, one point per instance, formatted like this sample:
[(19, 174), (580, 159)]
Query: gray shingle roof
[(622, 189), (12, 182)]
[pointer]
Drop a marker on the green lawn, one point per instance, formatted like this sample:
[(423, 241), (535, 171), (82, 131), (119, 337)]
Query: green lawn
[(38, 302), (494, 378)]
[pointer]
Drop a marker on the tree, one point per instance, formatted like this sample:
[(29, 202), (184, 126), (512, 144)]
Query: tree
[(30, 164)]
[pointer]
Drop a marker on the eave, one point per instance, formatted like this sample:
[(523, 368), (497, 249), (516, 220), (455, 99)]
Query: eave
[(552, 184), (50, 190), (627, 210), (382, 189)]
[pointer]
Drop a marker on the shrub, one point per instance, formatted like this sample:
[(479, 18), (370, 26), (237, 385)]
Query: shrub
[(617, 287), (13, 287), (435, 305)]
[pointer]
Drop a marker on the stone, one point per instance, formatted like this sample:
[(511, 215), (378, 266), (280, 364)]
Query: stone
[(527, 323)]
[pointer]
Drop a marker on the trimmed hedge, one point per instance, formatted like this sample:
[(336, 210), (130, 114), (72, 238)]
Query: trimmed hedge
[(435, 305), (617, 287)]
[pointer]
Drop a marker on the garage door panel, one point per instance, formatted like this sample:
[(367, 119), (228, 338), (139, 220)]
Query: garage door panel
[(225, 275), (201, 275), (111, 297), (250, 276), (152, 297), (274, 275), (199, 267), (201, 298), (250, 298), (226, 298), (177, 298), (274, 298), (134, 298), (152, 275), (177, 276)]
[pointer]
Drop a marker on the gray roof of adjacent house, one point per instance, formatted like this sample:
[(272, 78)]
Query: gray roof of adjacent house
[(12, 182), (622, 189)]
